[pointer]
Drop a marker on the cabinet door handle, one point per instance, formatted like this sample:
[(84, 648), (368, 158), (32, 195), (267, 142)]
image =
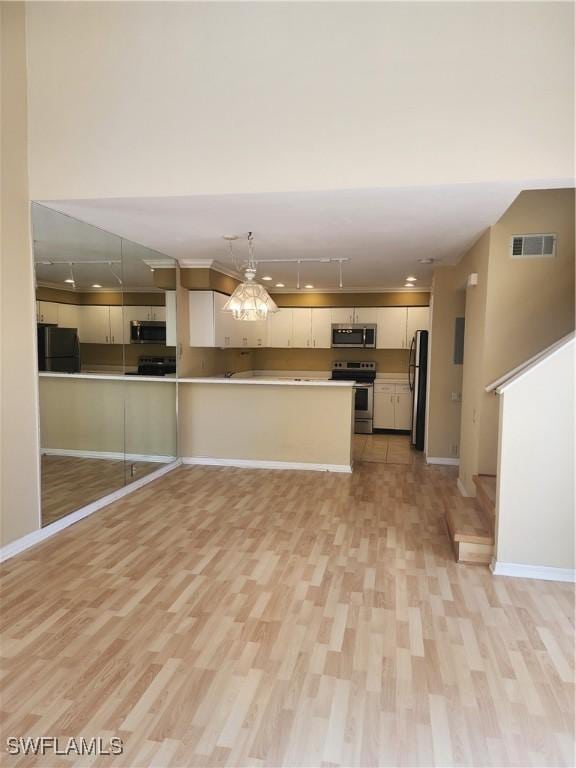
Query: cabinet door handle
[(398, 399), (106, 339)]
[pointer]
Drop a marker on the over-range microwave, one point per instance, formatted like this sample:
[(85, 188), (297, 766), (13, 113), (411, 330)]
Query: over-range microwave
[(354, 335), (147, 332)]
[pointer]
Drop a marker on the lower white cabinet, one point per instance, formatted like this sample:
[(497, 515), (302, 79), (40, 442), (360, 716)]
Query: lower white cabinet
[(392, 406)]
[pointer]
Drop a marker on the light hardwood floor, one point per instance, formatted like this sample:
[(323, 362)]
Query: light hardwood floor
[(70, 482), (235, 617)]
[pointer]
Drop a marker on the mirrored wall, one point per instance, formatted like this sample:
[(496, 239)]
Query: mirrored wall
[(106, 327)]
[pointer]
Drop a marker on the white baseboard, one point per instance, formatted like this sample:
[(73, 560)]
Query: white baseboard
[(108, 455), (15, 547), (451, 462), (542, 572), (463, 491), (258, 464)]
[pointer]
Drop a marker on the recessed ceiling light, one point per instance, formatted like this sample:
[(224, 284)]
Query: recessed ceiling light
[(267, 277), (426, 261), (409, 285), (151, 269), (279, 285), (411, 279), (308, 286), (69, 280), (96, 285)]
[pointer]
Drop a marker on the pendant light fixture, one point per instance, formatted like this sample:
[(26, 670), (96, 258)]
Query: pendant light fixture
[(250, 300)]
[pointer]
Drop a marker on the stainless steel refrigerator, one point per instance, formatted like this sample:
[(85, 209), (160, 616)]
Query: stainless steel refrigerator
[(417, 379), (58, 349)]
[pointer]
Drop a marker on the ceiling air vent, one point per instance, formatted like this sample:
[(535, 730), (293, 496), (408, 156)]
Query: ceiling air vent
[(533, 246)]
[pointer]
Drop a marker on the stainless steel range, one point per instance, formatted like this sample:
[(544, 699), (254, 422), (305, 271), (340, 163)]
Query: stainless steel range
[(363, 373)]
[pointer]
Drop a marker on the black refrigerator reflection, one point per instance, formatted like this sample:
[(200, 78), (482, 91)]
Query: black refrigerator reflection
[(417, 378)]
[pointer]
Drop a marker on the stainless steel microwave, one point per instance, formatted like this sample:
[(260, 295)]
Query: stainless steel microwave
[(147, 332), (355, 335)]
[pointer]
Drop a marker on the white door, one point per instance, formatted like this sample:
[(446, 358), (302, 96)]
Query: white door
[(133, 314), (418, 320), (302, 328), (280, 328), (48, 311), (68, 315), (403, 411), (201, 319), (384, 404), (343, 315), (366, 315), (117, 326), (391, 331), (94, 327), (321, 328), (222, 322), (258, 333)]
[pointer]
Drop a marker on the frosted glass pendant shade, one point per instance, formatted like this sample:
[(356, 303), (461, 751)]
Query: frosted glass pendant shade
[(250, 301)]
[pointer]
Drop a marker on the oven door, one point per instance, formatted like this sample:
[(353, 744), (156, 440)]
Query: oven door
[(363, 401), (347, 336)]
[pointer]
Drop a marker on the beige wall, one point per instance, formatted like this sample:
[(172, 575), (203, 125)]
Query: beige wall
[(535, 513), (136, 417), (266, 422), (444, 413), (111, 298), (518, 308), (530, 301), (387, 360), (20, 506), (255, 97)]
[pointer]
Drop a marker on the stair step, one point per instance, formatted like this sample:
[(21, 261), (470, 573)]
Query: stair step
[(471, 537), (486, 497)]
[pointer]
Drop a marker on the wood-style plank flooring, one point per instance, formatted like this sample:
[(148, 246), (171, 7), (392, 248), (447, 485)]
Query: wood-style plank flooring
[(70, 482), (230, 617)]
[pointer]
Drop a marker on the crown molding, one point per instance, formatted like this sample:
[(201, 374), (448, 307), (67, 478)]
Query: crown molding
[(212, 264), (161, 263), (312, 291), (120, 289)]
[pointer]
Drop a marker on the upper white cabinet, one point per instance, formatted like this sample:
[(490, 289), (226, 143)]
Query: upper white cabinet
[(210, 326), (302, 328), (366, 315), (343, 315), (280, 328), (117, 326), (68, 315), (391, 331), (94, 325), (157, 314), (321, 321), (171, 332), (47, 312), (418, 320)]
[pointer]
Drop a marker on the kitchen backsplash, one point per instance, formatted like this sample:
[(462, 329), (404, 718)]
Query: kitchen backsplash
[(387, 360)]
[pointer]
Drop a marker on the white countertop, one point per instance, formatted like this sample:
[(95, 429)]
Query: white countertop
[(267, 381), (106, 377)]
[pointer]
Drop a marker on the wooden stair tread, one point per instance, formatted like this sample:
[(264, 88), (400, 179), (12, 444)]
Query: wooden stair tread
[(487, 485), (467, 524)]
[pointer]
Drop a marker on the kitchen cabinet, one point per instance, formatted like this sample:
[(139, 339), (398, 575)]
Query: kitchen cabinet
[(47, 312), (68, 315), (418, 319), (133, 314), (158, 314), (367, 315), (171, 321), (392, 406), (280, 328), (210, 326), (94, 325), (117, 331), (384, 395), (343, 315), (391, 331), (321, 322), (302, 328)]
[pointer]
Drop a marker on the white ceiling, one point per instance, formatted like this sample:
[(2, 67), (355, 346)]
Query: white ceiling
[(384, 232)]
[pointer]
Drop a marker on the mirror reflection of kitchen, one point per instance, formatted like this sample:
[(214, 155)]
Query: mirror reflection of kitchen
[(106, 318)]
